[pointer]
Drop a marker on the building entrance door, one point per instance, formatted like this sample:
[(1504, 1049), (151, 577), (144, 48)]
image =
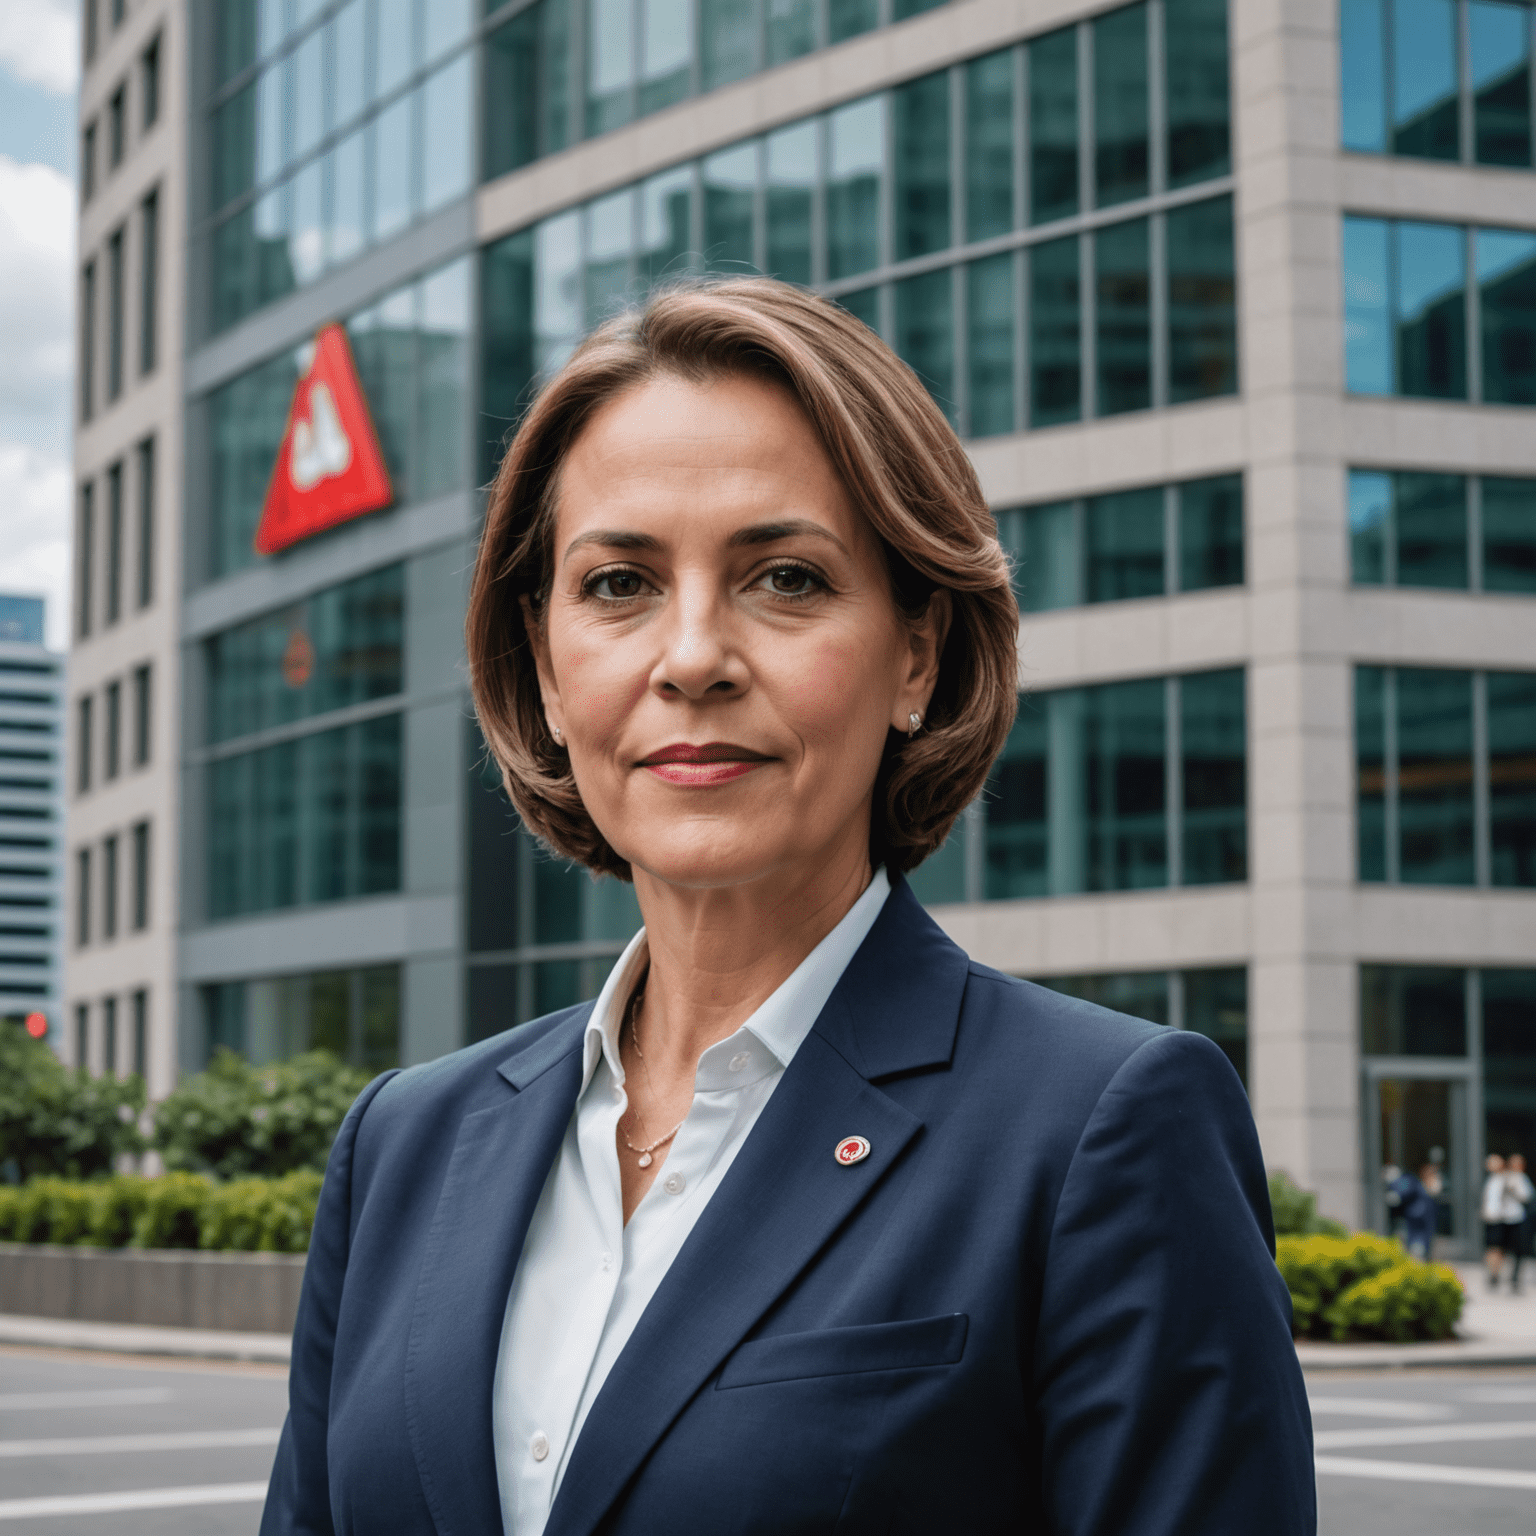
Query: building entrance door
[(1417, 1114)]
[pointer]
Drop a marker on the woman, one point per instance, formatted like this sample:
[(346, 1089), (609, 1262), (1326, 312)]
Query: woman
[(808, 1223)]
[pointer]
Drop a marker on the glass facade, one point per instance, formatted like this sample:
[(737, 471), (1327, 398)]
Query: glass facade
[(1417, 324), (1460, 532), (354, 1014), (1212, 1002), (1033, 319), (1446, 776), (331, 127), (1438, 79), (1123, 786), (413, 358), (1150, 542)]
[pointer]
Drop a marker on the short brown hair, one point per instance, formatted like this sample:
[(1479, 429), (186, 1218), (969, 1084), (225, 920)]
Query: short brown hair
[(903, 468)]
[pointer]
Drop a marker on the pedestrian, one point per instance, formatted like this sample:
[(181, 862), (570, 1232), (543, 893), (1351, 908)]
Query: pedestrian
[(1417, 1206), (1496, 1234), (1519, 1210)]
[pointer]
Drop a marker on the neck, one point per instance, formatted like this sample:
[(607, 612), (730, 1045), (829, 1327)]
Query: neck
[(718, 954)]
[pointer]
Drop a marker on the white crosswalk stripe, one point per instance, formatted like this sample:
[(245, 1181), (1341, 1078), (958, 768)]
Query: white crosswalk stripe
[(1424, 1472), (138, 1498), (1349, 1439), (98, 1445)]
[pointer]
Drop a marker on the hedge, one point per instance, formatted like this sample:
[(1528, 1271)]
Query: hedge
[(177, 1210), (1366, 1287)]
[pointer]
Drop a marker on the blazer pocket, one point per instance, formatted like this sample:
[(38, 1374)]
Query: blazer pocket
[(904, 1346)]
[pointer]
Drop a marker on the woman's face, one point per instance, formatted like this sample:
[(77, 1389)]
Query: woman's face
[(721, 652)]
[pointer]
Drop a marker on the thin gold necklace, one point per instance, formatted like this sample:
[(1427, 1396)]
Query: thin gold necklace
[(643, 1154)]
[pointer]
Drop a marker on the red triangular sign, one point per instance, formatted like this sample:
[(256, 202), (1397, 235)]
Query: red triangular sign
[(330, 467)]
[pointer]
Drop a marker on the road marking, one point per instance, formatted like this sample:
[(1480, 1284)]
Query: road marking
[(189, 1440), (1423, 1472), (1346, 1439), (1379, 1408), (138, 1498), (1498, 1395), (111, 1397)]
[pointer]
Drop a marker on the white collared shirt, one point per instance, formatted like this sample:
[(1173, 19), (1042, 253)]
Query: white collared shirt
[(585, 1277)]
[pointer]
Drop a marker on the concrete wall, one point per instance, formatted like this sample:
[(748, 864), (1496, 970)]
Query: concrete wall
[(170, 1288)]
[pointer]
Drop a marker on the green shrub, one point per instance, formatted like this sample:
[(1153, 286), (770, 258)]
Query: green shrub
[(262, 1215), (52, 1210), (57, 1121), (10, 1209), (115, 1206), (1410, 1301), (1295, 1210), (173, 1212), (237, 1121)]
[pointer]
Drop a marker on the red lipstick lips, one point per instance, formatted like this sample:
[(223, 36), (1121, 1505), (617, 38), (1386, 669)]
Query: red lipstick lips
[(717, 762)]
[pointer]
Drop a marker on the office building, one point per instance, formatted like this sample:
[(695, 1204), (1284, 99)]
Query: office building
[(1245, 364)]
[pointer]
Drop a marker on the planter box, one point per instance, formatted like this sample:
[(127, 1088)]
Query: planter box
[(159, 1287)]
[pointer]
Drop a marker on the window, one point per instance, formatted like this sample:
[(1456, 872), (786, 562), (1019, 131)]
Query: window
[(82, 1034), (82, 897), (85, 555), (115, 315), (354, 1014), (88, 161), (149, 279), (114, 581), (141, 1033), (1149, 542), (1407, 302), (1211, 1002), (87, 340), (146, 577), (90, 31), (141, 715), (1446, 776), (83, 745), (119, 11), (1438, 79), (112, 756), (149, 84), (117, 111), (140, 876), (109, 887)]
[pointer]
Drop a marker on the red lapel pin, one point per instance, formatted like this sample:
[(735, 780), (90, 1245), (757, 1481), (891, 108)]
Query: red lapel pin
[(851, 1150)]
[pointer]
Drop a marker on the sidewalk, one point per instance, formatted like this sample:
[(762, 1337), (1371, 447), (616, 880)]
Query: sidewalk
[(1495, 1329), (128, 1339)]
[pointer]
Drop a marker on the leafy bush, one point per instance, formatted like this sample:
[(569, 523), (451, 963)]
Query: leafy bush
[(1409, 1301), (57, 1121), (1365, 1287), (235, 1120), (50, 1210), (1295, 1210), (262, 1215), (173, 1214), (115, 1206)]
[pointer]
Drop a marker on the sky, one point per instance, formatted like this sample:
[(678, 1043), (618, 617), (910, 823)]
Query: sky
[(39, 68)]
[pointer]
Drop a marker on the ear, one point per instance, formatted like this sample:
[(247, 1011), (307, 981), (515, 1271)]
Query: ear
[(538, 642), (920, 660)]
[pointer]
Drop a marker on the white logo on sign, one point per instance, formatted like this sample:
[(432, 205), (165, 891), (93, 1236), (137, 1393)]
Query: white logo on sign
[(320, 447)]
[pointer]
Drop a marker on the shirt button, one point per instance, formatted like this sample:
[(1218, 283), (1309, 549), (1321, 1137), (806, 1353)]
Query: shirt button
[(675, 1184), (539, 1445), (739, 1061), (607, 1262)]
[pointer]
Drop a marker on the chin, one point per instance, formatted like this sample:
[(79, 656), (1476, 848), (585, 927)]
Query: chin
[(702, 856)]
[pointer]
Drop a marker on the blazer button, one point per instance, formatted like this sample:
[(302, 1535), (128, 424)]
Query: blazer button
[(674, 1184), (539, 1445)]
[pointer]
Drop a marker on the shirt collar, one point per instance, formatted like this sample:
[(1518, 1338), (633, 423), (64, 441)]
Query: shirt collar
[(783, 1020)]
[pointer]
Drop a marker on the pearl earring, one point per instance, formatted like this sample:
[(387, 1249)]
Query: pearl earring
[(914, 724), (556, 730)]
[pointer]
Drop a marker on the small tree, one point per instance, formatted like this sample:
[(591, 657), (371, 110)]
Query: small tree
[(235, 1120), (57, 1121)]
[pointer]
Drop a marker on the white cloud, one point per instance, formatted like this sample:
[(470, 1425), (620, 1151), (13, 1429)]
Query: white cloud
[(34, 531), (39, 40)]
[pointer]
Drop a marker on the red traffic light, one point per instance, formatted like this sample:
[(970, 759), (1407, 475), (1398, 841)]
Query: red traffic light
[(37, 1025)]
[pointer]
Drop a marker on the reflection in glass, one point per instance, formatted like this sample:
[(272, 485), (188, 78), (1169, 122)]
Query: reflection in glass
[(446, 100), (730, 190), (1368, 368), (791, 28), (1124, 303), (506, 344), (1430, 527), (1512, 777), (347, 188), (1125, 545), (1045, 551), (271, 121), (1053, 162), (527, 87), (306, 230), (791, 178), (1424, 67), (1121, 750), (1202, 301), (1213, 740), (989, 146), (274, 269), (666, 53), (1434, 776), (666, 203), (310, 93), (610, 242), (1413, 1010), (1431, 319), (1199, 117), (610, 63), (1371, 770), (855, 160), (989, 305), (1216, 1006), (941, 877), (1509, 1061), (1370, 526), (863, 305), (1363, 75), (246, 421), (232, 163), (1509, 535), (446, 24), (1141, 994), (848, 18), (1120, 105), (1015, 808), (384, 347), (1211, 533), (394, 44), (347, 62), (1506, 281), (1055, 333), (925, 333), (391, 132), (1500, 38), (921, 172), (443, 360), (557, 297), (727, 41)]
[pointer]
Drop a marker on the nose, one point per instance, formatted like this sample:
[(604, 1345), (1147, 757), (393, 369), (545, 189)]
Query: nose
[(700, 657)]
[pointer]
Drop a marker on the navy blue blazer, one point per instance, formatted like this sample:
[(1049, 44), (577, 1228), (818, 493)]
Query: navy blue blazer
[(1045, 1302)]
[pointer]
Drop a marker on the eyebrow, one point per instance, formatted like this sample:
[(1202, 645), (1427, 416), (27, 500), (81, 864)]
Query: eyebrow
[(758, 533)]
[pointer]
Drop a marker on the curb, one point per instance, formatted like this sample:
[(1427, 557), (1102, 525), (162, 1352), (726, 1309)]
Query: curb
[(1473, 1353), (134, 1339)]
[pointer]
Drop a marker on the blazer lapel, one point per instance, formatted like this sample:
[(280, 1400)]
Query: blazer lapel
[(495, 1176), (894, 1010)]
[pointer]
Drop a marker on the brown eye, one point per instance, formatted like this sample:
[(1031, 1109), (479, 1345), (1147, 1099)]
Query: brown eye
[(619, 584), (791, 580)]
